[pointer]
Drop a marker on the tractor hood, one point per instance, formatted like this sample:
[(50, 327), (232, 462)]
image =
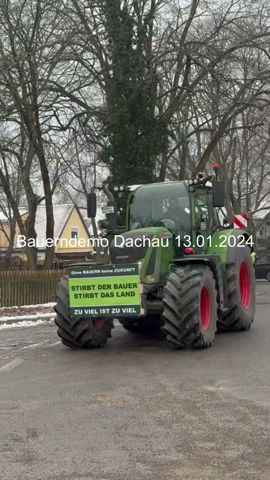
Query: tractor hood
[(153, 247), (132, 246)]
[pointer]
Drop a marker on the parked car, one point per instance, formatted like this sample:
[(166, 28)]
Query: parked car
[(262, 267)]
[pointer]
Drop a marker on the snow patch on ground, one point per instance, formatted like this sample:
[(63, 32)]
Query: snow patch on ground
[(50, 304), (25, 323), (26, 317)]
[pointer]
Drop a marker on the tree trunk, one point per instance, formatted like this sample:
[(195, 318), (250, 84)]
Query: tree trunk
[(11, 239)]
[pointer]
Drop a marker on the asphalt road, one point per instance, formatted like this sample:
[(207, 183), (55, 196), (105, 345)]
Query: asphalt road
[(136, 410)]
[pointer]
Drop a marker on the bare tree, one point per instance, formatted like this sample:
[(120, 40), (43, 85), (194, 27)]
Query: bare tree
[(28, 49)]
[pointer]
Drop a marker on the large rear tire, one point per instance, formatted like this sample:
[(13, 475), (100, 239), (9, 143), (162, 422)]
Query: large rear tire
[(82, 332), (190, 308), (240, 282), (148, 325)]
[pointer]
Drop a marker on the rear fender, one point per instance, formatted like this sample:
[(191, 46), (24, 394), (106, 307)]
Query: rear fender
[(223, 241)]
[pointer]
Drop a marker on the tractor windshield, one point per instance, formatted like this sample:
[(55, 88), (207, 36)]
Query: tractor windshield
[(165, 204)]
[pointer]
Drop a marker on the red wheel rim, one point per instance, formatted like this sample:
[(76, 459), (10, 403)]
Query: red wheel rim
[(245, 285), (98, 323), (205, 309)]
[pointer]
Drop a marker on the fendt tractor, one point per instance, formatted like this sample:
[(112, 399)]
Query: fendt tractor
[(175, 267)]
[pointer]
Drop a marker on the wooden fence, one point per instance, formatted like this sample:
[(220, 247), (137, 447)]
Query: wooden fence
[(19, 288)]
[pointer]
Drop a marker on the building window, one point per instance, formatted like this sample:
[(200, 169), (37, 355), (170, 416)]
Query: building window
[(75, 233)]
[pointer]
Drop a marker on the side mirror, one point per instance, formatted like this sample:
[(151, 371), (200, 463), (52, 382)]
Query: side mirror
[(218, 190), (91, 205)]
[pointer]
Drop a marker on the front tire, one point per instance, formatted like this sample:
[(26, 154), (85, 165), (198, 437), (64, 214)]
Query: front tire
[(81, 332), (190, 308)]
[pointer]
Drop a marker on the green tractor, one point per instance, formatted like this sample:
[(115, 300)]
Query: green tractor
[(175, 266)]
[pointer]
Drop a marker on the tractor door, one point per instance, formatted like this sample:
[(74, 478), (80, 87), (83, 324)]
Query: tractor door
[(204, 219)]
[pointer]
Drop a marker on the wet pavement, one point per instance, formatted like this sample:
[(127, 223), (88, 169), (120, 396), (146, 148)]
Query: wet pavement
[(136, 409)]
